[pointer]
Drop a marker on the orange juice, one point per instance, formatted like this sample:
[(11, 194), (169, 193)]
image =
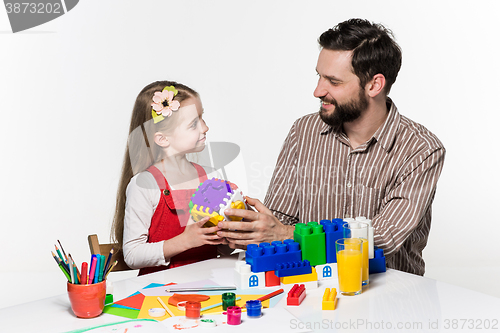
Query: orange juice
[(366, 270), (349, 266)]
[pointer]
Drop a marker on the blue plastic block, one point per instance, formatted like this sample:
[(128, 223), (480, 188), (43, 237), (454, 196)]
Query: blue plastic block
[(377, 264), (293, 268), (333, 232), (264, 257)]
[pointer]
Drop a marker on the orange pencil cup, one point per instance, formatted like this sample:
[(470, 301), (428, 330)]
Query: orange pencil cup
[(87, 300)]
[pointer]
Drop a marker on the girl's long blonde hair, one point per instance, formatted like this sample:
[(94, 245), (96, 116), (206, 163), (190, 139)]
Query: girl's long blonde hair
[(141, 150)]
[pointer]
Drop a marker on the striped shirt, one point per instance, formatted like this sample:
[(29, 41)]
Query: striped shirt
[(391, 179)]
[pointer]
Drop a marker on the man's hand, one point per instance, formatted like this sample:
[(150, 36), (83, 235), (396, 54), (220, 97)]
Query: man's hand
[(259, 226)]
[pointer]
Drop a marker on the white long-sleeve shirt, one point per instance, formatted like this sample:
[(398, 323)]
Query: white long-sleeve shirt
[(143, 196)]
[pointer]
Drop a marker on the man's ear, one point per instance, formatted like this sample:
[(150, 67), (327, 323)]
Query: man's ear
[(376, 85), (161, 140)]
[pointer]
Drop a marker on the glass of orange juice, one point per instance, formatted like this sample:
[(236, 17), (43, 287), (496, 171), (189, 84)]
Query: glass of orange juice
[(349, 265), (360, 230)]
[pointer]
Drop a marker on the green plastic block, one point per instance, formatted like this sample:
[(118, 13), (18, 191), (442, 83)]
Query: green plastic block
[(311, 238)]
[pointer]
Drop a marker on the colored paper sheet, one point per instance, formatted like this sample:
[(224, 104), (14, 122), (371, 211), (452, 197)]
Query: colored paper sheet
[(122, 312), (134, 301), (152, 302)]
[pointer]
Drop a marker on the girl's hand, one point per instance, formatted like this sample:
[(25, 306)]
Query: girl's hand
[(195, 235)]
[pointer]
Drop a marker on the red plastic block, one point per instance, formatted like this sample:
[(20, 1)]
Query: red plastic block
[(296, 295), (271, 279)]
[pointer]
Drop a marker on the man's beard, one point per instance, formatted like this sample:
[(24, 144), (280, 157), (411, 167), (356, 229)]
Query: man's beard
[(343, 113)]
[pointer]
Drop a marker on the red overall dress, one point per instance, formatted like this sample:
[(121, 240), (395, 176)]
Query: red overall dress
[(170, 220)]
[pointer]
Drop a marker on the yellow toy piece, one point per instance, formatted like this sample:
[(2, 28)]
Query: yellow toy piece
[(198, 214), (329, 299), (300, 278), (237, 205)]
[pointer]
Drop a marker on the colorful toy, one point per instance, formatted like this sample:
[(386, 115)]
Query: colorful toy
[(329, 299), (212, 197), (311, 238), (264, 257), (326, 271), (377, 264), (296, 295), (293, 268), (301, 278), (271, 279), (244, 278), (333, 231)]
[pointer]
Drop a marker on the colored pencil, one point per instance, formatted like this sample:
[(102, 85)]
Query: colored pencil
[(92, 269), (110, 269), (64, 271), (83, 276), (63, 250), (175, 290), (216, 305), (59, 261), (71, 271), (268, 296), (165, 307), (109, 260), (59, 254), (75, 273), (77, 270)]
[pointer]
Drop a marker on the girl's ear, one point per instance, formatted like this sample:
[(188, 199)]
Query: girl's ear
[(161, 140)]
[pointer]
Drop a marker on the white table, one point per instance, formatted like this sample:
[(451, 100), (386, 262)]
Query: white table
[(393, 301)]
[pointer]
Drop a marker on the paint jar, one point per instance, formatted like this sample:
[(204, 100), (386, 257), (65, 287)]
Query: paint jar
[(228, 299), (233, 315), (254, 308), (87, 300), (193, 310)]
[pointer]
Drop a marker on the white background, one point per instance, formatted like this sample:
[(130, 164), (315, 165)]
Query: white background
[(68, 87)]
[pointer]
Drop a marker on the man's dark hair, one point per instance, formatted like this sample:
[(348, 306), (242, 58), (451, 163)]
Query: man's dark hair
[(373, 49)]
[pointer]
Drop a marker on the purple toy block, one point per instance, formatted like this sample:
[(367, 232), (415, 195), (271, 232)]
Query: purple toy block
[(333, 232), (264, 257), (293, 268), (211, 193)]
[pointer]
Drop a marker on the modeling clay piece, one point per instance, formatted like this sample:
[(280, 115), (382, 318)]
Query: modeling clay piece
[(212, 197)]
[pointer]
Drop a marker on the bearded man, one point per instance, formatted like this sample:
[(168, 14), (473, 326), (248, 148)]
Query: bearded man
[(357, 157)]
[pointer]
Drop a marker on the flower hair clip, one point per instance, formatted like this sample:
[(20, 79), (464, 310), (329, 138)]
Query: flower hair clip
[(163, 103)]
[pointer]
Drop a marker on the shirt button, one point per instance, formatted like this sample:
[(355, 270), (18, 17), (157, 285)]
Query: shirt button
[(348, 184), (166, 192)]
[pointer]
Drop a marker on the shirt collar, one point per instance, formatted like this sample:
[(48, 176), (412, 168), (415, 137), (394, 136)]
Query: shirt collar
[(385, 135)]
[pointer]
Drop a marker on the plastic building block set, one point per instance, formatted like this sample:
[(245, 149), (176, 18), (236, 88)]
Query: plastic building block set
[(212, 197), (307, 258)]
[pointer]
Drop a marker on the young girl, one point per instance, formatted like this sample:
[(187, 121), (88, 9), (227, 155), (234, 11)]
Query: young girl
[(152, 222)]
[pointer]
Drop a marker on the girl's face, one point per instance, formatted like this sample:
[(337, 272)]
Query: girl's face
[(189, 135)]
